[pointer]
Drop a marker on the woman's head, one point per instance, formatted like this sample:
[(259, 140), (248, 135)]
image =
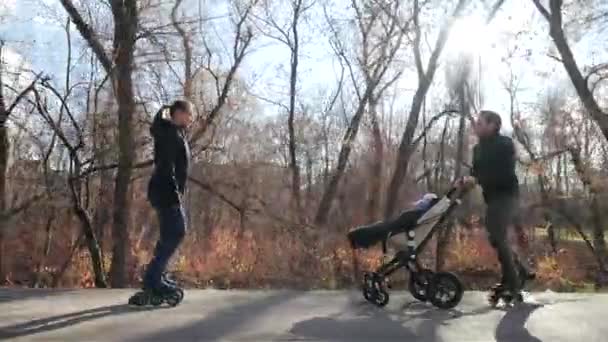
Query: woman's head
[(181, 113)]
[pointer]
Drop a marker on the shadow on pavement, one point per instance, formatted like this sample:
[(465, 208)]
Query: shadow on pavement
[(512, 326), (222, 322), (15, 294), (374, 324), (63, 321)]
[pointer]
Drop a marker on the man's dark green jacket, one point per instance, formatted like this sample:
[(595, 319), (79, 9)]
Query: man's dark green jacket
[(494, 166)]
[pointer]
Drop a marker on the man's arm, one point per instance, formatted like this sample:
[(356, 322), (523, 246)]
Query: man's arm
[(473, 170)]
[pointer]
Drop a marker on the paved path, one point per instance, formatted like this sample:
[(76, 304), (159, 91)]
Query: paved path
[(210, 315)]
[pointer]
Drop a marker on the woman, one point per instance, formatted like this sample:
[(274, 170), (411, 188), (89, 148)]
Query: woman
[(165, 193)]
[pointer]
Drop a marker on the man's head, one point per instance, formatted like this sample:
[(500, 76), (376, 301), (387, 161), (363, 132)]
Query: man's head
[(488, 123), (181, 113)]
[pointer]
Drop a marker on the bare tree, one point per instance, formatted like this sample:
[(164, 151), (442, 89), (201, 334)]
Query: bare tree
[(375, 187), (425, 78), (289, 35), (224, 82), (5, 112), (120, 66), (381, 38), (554, 17), (459, 81), (78, 187)]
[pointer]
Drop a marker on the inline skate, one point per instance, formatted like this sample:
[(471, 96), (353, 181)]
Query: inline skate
[(171, 295), (500, 293)]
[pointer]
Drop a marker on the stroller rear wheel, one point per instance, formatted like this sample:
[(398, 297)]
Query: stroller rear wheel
[(419, 284), (445, 290)]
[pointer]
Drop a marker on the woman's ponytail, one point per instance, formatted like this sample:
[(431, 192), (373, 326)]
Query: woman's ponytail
[(163, 113)]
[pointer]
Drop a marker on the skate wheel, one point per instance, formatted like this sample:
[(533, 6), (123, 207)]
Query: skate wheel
[(138, 299), (156, 300), (445, 290), (519, 298), (493, 300), (419, 284), (175, 298)]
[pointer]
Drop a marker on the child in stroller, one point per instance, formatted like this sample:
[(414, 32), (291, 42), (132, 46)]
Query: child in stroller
[(442, 289)]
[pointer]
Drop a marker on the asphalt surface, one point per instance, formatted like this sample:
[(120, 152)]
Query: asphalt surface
[(214, 315)]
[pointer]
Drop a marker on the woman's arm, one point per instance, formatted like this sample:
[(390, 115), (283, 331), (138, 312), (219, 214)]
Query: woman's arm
[(165, 166)]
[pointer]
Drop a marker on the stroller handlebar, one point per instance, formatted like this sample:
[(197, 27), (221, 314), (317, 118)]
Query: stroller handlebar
[(457, 191)]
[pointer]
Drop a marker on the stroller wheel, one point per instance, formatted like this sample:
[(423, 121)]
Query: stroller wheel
[(419, 284), (369, 291), (381, 298), (374, 290), (445, 290)]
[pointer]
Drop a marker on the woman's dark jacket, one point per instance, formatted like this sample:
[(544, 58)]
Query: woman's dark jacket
[(171, 161)]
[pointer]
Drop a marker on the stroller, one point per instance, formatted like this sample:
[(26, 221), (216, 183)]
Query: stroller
[(442, 289)]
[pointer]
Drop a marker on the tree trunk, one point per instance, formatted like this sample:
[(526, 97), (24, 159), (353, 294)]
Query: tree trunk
[(120, 67), (86, 224), (45, 253), (102, 214), (599, 240), (186, 44), (554, 17), (4, 152), (375, 187), (293, 161), (405, 150), (599, 243), (443, 237), (125, 22), (4, 149), (544, 199), (425, 78), (345, 149)]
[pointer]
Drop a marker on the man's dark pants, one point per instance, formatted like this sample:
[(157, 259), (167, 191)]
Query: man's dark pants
[(500, 213), (172, 231)]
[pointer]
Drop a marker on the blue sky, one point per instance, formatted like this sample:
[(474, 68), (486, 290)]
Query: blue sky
[(43, 44)]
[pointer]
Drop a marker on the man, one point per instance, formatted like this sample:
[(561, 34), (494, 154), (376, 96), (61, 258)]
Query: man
[(494, 170)]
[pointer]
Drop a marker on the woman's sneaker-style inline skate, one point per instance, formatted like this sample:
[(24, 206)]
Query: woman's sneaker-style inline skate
[(169, 294)]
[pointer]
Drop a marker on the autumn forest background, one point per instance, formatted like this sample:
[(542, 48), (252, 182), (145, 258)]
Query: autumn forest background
[(312, 116)]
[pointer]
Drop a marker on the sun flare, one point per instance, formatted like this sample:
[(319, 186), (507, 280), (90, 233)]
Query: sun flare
[(469, 35)]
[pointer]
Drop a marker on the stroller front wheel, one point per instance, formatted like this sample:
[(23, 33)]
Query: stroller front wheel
[(445, 290), (374, 290), (381, 298)]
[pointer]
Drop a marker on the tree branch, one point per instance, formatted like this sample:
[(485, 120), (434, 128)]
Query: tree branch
[(18, 209), (5, 113), (89, 35), (542, 9), (207, 187), (431, 123)]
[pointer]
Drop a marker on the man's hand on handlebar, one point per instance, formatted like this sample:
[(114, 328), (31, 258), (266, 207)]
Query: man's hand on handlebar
[(466, 182)]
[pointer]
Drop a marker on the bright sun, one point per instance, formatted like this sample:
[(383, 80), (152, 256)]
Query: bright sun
[(469, 35)]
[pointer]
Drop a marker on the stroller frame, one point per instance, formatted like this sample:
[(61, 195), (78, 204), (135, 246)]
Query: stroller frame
[(442, 289)]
